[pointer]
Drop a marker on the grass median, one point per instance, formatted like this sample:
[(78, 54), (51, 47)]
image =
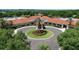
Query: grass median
[(32, 35)]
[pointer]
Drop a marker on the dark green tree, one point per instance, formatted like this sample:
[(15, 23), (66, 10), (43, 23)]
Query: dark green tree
[(4, 36), (18, 42), (2, 23), (10, 42), (69, 39)]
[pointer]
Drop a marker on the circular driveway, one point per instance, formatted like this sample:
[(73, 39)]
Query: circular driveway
[(52, 42)]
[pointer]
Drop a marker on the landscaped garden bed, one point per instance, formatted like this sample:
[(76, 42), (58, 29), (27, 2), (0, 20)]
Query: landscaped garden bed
[(38, 34)]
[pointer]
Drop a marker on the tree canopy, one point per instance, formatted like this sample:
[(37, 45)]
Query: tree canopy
[(16, 42), (50, 13), (69, 40), (5, 24)]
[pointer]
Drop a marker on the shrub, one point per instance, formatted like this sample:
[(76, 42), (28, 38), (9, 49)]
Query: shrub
[(43, 47)]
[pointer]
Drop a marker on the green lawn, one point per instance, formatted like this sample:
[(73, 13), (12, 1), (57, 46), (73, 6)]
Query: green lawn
[(30, 34)]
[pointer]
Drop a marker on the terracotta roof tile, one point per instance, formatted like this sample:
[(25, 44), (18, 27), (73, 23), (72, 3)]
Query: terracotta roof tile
[(34, 17), (58, 21), (53, 20), (20, 21)]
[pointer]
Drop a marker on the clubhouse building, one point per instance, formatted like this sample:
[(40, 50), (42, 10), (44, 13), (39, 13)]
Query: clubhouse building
[(57, 22)]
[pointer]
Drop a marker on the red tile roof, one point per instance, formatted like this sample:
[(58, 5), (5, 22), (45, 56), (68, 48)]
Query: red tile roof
[(20, 21), (58, 21), (34, 17), (45, 17), (53, 20)]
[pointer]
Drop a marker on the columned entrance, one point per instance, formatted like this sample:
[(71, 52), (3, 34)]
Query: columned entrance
[(64, 26)]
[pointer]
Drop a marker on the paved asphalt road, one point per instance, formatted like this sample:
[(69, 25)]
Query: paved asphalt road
[(52, 42)]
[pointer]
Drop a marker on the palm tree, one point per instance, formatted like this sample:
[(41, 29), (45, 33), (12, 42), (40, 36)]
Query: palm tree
[(43, 26), (40, 27), (70, 20), (40, 24)]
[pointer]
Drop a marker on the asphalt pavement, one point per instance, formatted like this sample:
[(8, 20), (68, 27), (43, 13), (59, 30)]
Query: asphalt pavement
[(52, 42)]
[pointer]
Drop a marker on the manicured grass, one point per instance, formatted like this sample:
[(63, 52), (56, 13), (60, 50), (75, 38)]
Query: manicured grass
[(30, 34)]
